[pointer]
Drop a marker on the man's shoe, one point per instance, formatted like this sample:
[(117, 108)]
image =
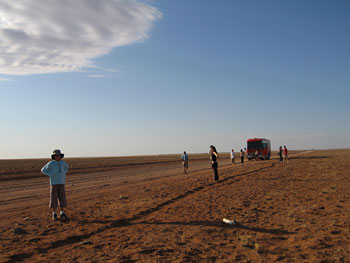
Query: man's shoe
[(54, 217)]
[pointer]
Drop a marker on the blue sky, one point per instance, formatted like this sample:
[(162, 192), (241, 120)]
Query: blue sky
[(153, 77)]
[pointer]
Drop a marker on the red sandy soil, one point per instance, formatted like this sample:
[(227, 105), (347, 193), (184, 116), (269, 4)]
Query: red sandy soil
[(297, 211)]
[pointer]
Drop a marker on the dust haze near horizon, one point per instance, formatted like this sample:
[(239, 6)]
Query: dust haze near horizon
[(161, 77)]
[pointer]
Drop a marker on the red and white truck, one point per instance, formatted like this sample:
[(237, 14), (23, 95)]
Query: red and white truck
[(258, 145)]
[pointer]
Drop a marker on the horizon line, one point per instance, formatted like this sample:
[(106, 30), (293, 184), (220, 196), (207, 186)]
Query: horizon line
[(158, 154)]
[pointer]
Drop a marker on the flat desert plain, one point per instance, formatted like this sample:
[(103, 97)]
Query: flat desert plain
[(146, 209)]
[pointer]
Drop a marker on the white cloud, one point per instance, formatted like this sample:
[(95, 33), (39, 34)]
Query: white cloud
[(4, 79), (96, 76), (111, 70), (40, 36)]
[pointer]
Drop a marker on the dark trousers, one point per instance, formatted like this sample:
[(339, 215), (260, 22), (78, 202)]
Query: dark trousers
[(57, 192), (242, 159), (215, 169)]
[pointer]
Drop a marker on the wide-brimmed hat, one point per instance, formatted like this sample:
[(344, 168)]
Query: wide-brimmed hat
[(57, 153)]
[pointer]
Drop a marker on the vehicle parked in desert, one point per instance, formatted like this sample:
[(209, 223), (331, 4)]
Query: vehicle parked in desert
[(260, 146)]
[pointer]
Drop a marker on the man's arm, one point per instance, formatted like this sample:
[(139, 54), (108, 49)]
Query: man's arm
[(46, 169)]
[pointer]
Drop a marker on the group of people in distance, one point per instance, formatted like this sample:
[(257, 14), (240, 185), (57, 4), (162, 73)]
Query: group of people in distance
[(213, 155), (241, 153), (284, 152)]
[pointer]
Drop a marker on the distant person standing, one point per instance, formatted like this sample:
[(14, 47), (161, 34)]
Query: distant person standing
[(214, 164), (56, 170), (242, 153), (285, 154), (280, 153), (184, 159), (233, 156)]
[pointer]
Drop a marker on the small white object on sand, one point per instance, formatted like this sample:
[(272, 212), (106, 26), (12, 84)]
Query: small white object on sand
[(228, 221)]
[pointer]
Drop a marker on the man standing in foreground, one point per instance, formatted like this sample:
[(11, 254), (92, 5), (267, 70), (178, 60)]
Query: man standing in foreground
[(184, 159), (56, 170)]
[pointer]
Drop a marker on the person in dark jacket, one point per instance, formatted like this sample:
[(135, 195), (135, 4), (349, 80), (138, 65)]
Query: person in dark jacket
[(214, 164), (280, 153), (242, 156)]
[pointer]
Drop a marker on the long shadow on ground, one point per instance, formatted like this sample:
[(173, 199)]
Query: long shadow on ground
[(278, 231)]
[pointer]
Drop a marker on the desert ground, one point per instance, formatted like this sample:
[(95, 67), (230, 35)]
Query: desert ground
[(145, 209)]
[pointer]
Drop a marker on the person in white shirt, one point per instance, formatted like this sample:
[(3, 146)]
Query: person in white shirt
[(233, 156)]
